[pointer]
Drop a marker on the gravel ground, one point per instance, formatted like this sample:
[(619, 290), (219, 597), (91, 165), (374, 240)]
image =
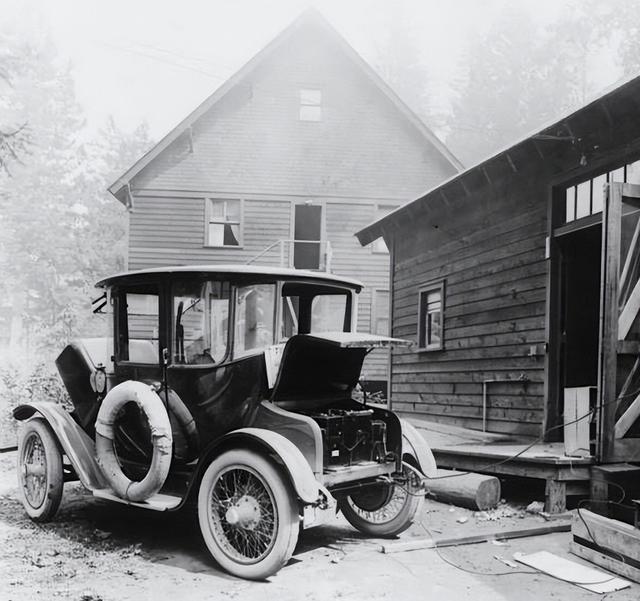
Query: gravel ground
[(100, 551)]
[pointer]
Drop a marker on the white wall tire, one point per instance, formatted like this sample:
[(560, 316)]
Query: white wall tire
[(384, 511), (40, 476), (161, 437), (248, 514)]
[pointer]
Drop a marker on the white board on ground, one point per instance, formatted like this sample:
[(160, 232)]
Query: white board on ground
[(572, 572)]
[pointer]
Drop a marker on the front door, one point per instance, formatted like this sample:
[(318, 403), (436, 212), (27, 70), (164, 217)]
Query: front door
[(307, 236), (619, 360)]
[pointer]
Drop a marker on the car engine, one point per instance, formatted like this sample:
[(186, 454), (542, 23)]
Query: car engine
[(351, 436)]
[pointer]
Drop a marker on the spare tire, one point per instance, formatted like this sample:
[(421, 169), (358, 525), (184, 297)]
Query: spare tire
[(161, 438)]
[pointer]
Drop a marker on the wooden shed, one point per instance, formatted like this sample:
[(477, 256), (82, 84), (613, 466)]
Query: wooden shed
[(518, 281)]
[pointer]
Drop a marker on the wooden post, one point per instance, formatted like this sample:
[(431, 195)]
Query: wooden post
[(555, 496), (608, 360)]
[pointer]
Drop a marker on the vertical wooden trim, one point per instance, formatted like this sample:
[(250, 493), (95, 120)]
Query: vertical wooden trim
[(608, 360), (392, 271), (552, 384)]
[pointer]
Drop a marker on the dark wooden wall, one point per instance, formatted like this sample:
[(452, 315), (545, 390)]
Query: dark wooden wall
[(490, 250)]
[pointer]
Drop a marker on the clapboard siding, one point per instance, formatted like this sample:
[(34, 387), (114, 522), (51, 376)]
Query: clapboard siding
[(492, 260), (251, 145), (372, 269)]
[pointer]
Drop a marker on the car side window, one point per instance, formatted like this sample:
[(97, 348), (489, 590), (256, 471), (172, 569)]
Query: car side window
[(255, 318), (200, 322), (138, 338)]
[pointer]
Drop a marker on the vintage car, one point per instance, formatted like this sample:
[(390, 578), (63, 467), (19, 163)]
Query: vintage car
[(231, 387)]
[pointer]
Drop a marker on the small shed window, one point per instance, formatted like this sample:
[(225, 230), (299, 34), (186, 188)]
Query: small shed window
[(587, 197), (223, 221), (431, 317), (310, 105), (379, 245)]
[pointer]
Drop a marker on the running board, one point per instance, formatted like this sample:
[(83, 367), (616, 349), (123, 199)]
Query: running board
[(157, 502)]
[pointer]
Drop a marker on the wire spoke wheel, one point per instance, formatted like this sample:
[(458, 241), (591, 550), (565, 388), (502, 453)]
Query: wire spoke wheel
[(243, 514), (248, 514), (385, 509), (39, 470)]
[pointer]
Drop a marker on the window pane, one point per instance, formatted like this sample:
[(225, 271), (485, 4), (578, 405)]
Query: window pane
[(312, 97), (328, 313), (617, 175), (216, 210), (571, 204), (310, 113), (219, 309), (143, 319), (598, 193), (430, 319), (231, 235), (633, 173), (254, 318), (381, 316), (233, 210), (583, 192), (216, 234), (290, 316)]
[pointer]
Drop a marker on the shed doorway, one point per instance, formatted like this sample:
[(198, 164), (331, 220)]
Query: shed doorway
[(580, 278)]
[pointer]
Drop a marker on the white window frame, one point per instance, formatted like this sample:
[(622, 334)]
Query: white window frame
[(305, 103), (436, 286), (208, 219)]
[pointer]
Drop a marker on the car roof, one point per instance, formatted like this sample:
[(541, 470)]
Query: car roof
[(231, 272)]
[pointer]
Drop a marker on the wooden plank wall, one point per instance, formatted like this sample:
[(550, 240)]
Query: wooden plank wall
[(493, 262)]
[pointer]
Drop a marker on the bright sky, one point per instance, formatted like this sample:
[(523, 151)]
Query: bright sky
[(156, 60)]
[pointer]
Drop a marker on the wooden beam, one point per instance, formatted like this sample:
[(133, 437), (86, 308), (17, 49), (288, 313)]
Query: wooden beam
[(629, 259), (628, 418), (608, 356), (511, 163), (629, 312), (430, 543)]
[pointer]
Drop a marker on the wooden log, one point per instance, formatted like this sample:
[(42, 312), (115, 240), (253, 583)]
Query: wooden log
[(465, 489)]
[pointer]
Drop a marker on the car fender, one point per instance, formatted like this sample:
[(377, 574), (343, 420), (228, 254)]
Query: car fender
[(75, 443), (296, 466), (413, 443)]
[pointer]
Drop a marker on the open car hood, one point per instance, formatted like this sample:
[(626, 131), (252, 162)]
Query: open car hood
[(324, 366)]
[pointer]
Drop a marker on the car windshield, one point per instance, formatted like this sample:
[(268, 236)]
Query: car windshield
[(201, 322)]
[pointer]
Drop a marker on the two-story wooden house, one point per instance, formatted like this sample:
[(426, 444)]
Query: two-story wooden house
[(301, 148)]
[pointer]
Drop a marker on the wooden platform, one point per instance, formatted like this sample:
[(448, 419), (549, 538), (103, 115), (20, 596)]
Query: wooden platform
[(502, 454)]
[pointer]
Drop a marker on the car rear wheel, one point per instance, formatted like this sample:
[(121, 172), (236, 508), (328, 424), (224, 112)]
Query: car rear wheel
[(40, 474), (248, 514), (384, 510)]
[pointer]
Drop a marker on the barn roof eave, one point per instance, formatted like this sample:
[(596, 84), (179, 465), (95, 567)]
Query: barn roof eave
[(376, 229)]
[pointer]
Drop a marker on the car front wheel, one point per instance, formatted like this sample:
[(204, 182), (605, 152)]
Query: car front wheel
[(248, 514), (386, 509), (40, 476)]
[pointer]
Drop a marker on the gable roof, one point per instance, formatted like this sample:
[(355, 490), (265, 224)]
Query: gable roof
[(611, 104), (308, 17)]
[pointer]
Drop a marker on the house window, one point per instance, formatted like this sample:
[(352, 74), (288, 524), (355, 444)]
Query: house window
[(223, 222), (379, 245), (431, 317), (380, 313), (310, 105)]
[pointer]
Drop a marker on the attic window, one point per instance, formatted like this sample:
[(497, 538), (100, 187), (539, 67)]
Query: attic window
[(310, 105)]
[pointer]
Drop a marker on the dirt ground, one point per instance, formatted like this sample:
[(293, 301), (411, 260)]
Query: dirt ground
[(101, 551)]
